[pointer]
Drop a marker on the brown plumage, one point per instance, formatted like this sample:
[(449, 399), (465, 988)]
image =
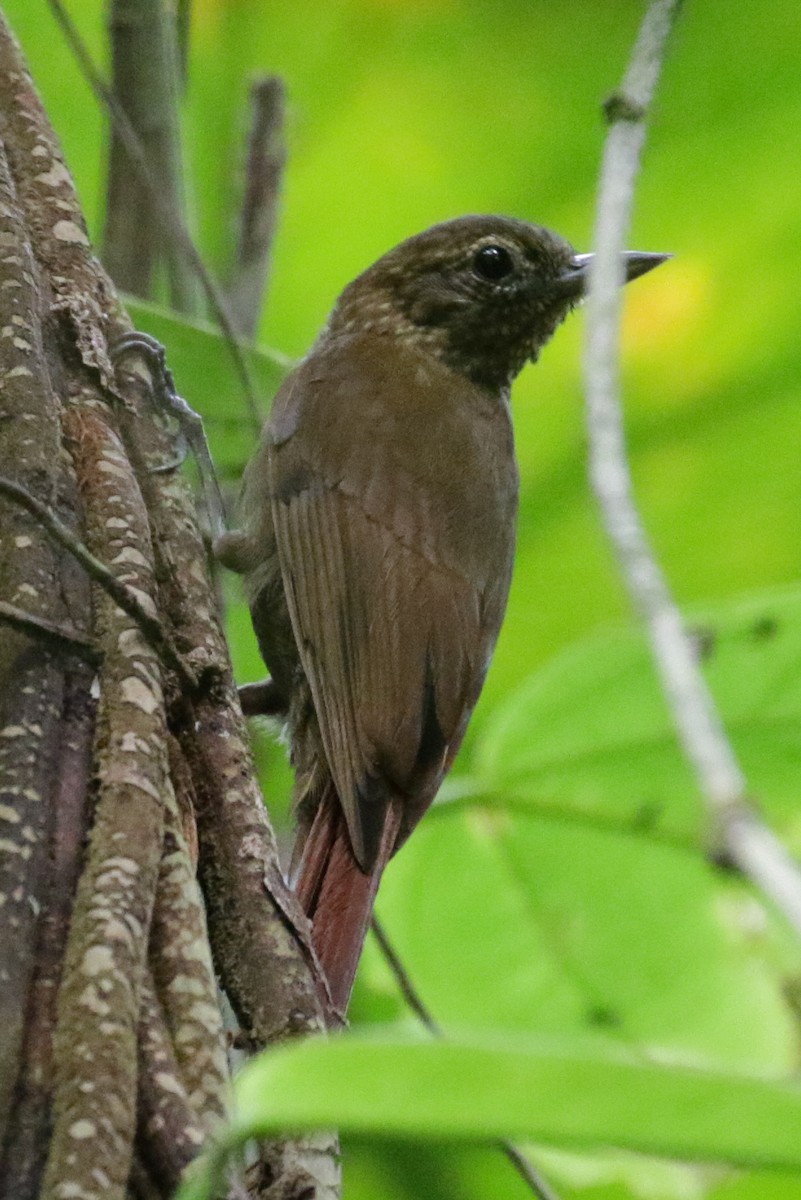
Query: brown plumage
[(378, 527)]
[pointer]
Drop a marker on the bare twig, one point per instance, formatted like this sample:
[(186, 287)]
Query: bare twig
[(145, 67), (263, 171), (58, 636), (525, 1169), (133, 147), (122, 595), (403, 980), (739, 836)]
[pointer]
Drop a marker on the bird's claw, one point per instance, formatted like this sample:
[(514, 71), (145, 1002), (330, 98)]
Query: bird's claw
[(192, 434)]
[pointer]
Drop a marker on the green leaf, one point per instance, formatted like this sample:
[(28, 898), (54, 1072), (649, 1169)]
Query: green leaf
[(206, 376), (518, 1089), (761, 1185), (512, 920), (590, 733)]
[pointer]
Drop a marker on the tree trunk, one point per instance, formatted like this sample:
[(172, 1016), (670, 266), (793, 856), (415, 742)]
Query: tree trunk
[(136, 856)]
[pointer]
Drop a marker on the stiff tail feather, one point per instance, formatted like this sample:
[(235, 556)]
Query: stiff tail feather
[(337, 895)]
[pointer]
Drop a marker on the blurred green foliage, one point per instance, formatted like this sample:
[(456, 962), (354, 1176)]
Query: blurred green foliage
[(561, 886)]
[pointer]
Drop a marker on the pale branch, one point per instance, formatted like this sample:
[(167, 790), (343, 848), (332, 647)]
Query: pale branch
[(214, 294), (120, 592), (524, 1167), (750, 845), (738, 835)]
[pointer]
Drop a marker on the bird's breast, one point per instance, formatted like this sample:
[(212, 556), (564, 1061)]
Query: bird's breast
[(422, 449)]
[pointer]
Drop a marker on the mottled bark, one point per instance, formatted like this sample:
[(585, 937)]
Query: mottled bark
[(136, 857)]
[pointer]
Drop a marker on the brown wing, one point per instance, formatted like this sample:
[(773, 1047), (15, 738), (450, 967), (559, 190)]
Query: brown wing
[(395, 606)]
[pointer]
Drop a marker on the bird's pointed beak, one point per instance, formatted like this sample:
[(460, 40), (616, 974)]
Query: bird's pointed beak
[(572, 283)]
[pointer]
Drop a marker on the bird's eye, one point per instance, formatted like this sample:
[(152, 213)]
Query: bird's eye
[(493, 262)]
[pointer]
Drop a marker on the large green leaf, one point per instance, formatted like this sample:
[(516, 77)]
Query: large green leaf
[(591, 734), (511, 920), (759, 1185), (487, 1090)]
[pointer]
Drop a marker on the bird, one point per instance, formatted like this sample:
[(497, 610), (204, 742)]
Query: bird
[(376, 540)]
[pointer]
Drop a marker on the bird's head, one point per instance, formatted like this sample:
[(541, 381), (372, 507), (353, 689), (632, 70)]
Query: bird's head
[(482, 293)]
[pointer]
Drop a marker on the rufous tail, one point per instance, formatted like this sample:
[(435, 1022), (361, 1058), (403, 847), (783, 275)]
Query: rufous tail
[(337, 895)]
